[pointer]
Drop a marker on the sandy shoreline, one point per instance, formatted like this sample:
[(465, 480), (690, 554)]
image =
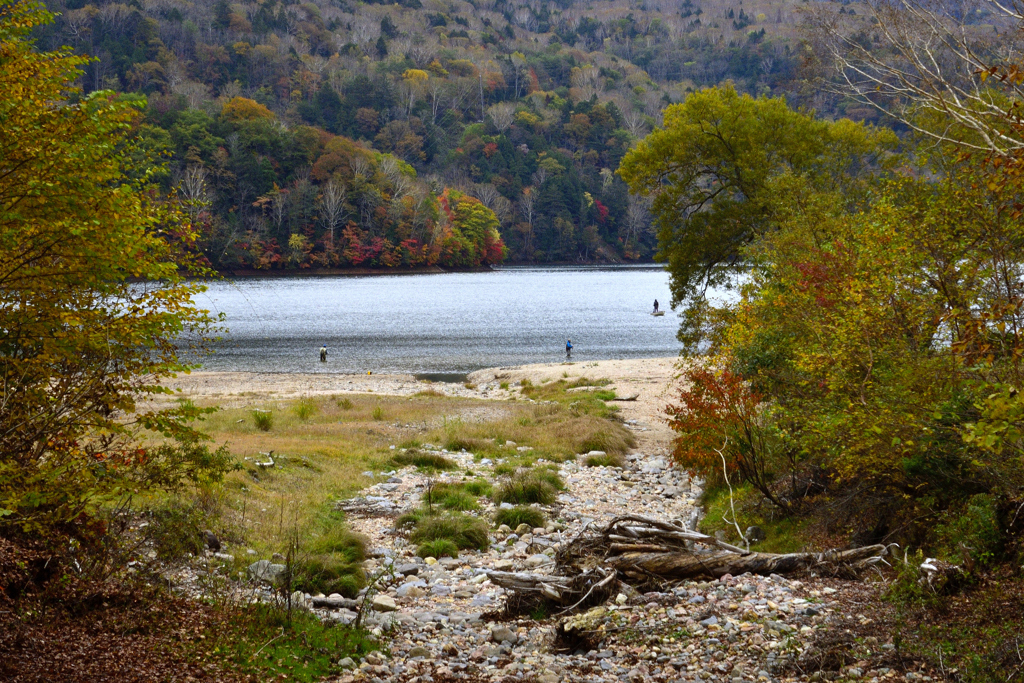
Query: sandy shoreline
[(651, 380)]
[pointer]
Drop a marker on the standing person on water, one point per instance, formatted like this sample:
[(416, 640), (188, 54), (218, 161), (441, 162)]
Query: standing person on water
[(323, 353), (568, 348), (655, 305)]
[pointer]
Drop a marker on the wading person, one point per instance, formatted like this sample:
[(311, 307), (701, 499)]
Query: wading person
[(568, 348), (323, 353)]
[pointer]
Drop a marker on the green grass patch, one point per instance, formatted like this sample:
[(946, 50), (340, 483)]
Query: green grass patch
[(478, 487), (520, 514), (440, 547), (305, 408), (263, 419), (462, 530), (529, 486), (423, 461), (783, 535), (330, 559), (606, 460), (269, 644)]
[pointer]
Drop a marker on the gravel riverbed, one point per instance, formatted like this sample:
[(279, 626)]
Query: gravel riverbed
[(442, 620)]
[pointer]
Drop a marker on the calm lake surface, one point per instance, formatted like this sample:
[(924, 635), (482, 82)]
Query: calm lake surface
[(440, 323)]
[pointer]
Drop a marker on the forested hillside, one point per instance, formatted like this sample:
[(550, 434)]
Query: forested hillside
[(325, 134)]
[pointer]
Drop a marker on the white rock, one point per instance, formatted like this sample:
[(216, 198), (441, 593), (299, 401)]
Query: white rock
[(384, 603)]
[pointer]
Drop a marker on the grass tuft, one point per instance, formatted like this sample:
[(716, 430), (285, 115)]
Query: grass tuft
[(305, 408), (529, 486), (263, 419), (331, 561), (423, 461), (440, 547), (606, 460), (462, 530), (513, 517)]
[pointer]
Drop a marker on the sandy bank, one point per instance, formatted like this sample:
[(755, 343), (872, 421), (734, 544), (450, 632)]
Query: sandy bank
[(651, 380)]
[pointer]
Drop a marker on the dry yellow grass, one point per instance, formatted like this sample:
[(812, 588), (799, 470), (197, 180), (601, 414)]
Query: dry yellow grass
[(322, 445)]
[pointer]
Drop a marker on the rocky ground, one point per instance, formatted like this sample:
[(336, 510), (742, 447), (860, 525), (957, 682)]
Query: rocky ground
[(444, 617)]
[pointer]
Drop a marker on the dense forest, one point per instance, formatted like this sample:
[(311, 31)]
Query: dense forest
[(326, 134)]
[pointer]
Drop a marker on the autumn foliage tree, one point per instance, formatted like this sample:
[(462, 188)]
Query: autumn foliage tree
[(93, 306)]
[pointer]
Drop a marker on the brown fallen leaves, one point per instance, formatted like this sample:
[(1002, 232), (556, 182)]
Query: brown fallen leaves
[(56, 627)]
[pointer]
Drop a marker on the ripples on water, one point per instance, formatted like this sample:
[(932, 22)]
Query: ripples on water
[(440, 323)]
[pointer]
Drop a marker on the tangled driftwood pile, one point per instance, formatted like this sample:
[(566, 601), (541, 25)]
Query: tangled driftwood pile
[(649, 554)]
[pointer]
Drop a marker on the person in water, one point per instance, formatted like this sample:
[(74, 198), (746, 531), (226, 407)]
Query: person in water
[(655, 305), (568, 348), (323, 353)]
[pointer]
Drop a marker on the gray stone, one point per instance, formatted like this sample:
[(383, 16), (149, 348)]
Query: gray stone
[(264, 570), (419, 651), (412, 589), (503, 634), (710, 621), (481, 600), (346, 663), (696, 600), (524, 529), (407, 569), (537, 560), (754, 534)]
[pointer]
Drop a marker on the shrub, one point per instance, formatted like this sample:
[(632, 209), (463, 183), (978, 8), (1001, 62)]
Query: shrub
[(462, 530), (440, 547), (520, 514), (971, 535), (528, 486), (423, 461), (263, 419), (176, 530), (378, 413), (305, 408), (345, 403), (607, 460)]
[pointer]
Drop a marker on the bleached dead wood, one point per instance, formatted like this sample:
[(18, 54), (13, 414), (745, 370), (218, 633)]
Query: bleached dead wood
[(644, 551)]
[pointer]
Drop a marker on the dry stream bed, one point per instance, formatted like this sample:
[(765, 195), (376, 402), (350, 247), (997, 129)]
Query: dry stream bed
[(442, 619)]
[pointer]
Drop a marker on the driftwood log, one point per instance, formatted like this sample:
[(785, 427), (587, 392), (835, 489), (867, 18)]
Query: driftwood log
[(650, 553), (336, 603)]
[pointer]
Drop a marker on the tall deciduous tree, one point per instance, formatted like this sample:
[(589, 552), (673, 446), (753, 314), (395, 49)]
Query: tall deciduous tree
[(725, 166), (93, 308)]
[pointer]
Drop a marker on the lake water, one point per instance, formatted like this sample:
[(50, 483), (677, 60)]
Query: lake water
[(440, 323)]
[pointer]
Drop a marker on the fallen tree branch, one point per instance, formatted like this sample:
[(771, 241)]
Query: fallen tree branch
[(650, 553)]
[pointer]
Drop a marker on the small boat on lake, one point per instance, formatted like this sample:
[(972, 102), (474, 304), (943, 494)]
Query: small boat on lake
[(658, 314)]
